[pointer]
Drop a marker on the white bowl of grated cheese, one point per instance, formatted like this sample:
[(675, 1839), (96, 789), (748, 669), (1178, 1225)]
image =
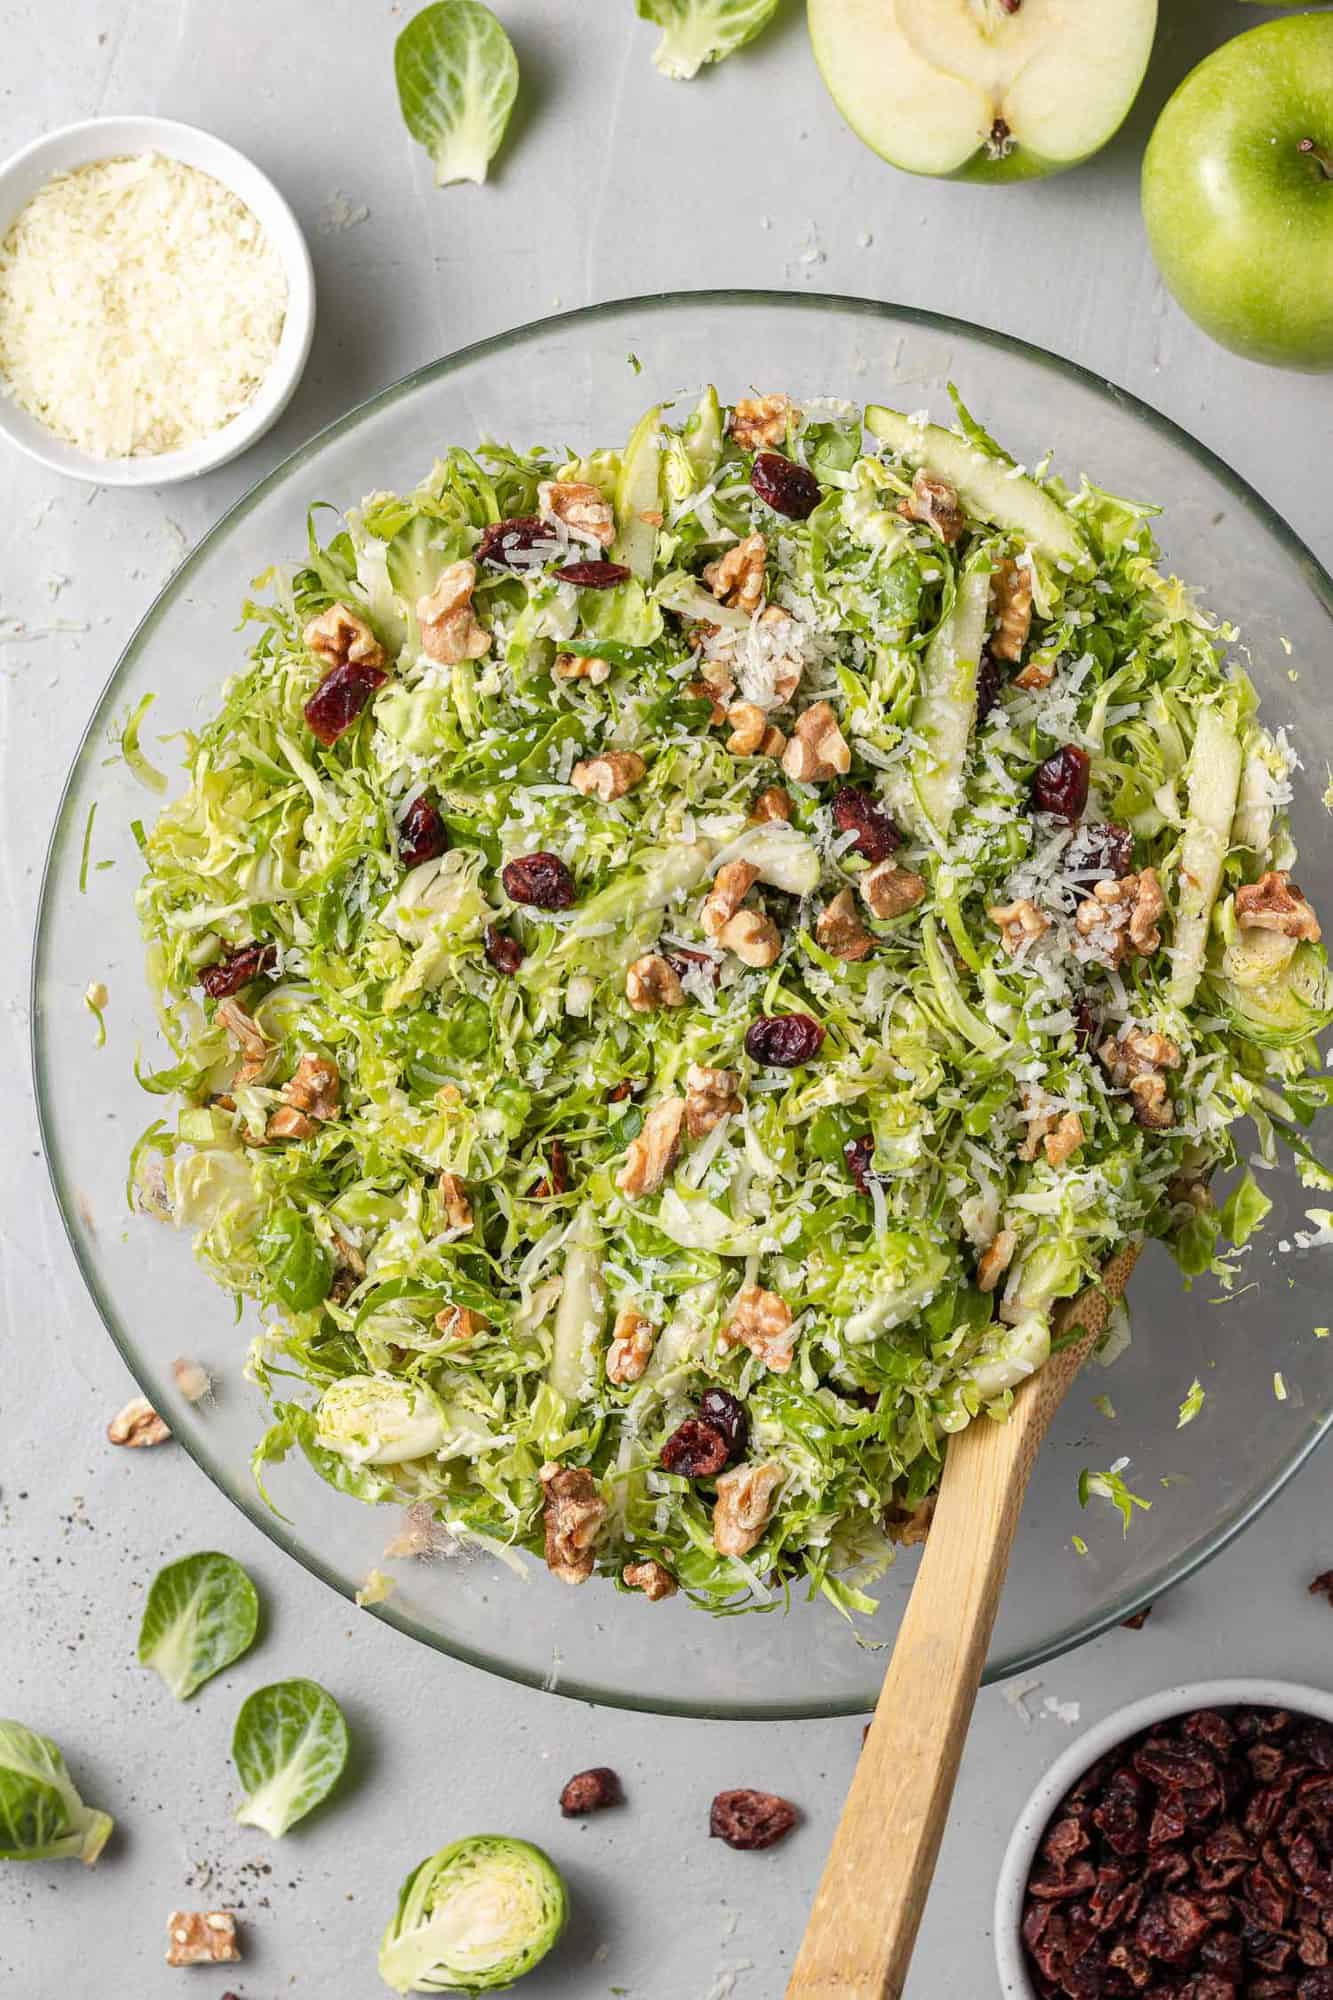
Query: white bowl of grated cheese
[(116, 366)]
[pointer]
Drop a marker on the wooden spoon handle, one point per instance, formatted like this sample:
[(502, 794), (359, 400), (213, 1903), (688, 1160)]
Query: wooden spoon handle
[(858, 1943)]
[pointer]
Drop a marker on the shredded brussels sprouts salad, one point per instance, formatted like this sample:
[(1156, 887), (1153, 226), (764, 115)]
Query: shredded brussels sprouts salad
[(679, 959)]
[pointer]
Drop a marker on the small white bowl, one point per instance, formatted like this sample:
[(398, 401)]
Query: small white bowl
[(1011, 1962), (112, 138)]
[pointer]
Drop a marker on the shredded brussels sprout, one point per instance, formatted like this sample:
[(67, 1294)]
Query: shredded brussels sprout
[(730, 931)]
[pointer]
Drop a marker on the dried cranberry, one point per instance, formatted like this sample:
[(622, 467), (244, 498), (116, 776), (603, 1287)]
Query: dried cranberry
[(858, 1154), (1139, 1619), (1100, 849), (505, 953), (1068, 1837), (502, 541), (590, 1792), (695, 1449), (557, 1181), (787, 488), (540, 879), (721, 1410), (1323, 1585), (1058, 1885), (1169, 1764), (683, 959), (1171, 1927), (236, 969), (1315, 1986), (990, 683), (594, 575), (422, 835), (1210, 1728), (855, 811), (1060, 785), (750, 1820), (340, 697), (1208, 1986), (1266, 1760), (783, 1041), (1224, 1953)]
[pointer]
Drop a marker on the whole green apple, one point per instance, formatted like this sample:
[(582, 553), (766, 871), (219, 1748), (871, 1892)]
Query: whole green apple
[(1238, 193)]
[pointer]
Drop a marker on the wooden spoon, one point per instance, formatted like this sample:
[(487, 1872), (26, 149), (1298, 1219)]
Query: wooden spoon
[(858, 1942)]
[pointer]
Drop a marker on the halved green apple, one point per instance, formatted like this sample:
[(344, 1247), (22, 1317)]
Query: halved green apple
[(983, 90)]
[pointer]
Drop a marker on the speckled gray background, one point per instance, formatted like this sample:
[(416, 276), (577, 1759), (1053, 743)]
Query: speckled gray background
[(613, 182)]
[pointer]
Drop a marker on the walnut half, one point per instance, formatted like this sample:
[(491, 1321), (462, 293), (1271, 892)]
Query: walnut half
[(653, 982), (762, 1322), (650, 1577), (745, 1498), (137, 1425), (449, 629), (1274, 903), (573, 1512), (710, 1096), (934, 503), (650, 1157), (340, 638), (817, 750), (631, 1347), (759, 420)]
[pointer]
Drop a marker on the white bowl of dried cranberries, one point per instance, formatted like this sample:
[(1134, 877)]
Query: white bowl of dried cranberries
[(1183, 1850)]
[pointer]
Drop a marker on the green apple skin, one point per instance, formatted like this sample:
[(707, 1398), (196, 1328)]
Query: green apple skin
[(1239, 218)]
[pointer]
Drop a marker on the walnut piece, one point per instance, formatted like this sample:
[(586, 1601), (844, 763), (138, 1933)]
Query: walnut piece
[(192, 1379), (1120, 916), (1038, 673), (460, 1323), (731, 885), (890, 891), (838, 928), (449, 628), (753, 937), (909, 1526), (137, 1425), (652, 982), (759, 420), (934, 503), (289, 1123), (995, 1259), (574, 1511), (457, 1207), (202, 1937), (1011, 608), (1138, 1052), (762, 1322), (578, 667), (314, 1087), (650, 1157), (710, 1096), (1274, 903), (772, 803), (650, 1577), (817, 750), (749, 726), (1152, 1104), (745, 1498), (340, 638), (1060, 1134), (631, 1347), (737, 578), (586, 512), (610, 776), (1064, 1141), (249, 1037), (1020, 924)]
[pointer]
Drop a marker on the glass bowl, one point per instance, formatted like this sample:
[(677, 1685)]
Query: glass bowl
[(579, 379)]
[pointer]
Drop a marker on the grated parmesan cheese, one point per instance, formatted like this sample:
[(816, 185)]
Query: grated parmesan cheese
[(141, 306)]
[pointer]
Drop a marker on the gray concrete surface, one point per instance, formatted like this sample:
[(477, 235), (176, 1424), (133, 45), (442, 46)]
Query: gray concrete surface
[(613, 182)]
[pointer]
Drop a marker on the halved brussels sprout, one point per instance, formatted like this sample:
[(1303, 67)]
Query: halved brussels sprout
[(375, 1420), (1289, 1006), (473, 1918)]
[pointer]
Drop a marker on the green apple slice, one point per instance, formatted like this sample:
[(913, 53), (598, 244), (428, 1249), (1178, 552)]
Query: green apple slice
[(946, 704), (990, 488), (973, 89), (1212, 784), (638, 492)]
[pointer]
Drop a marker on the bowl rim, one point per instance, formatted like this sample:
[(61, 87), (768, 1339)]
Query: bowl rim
[(87, 140), (1032, 1821), (1320, 582)]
